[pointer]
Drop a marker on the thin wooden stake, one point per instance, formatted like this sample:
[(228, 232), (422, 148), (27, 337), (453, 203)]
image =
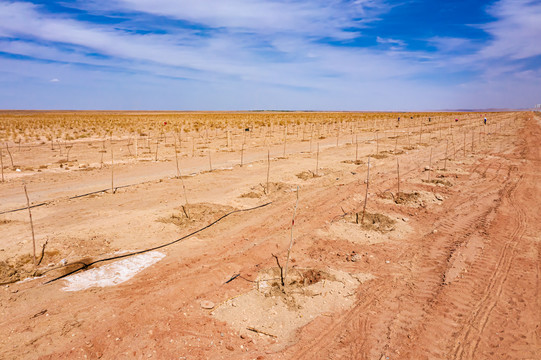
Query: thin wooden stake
[(2, 163), (464, 147), (317, 159), (136, 147), (176, 157), (398, 176), (377, 143), (11, 157), (366, 194), (311, 136), (242, 155), (268, 171), (184, 208), (112, 166), (210, 161), (284, 279), (445, 162), (285, 141), (430, 164), (356, 148), (157, 144), (31, 225)]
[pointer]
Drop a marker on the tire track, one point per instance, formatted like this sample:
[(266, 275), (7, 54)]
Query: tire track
[(471, 335), (326, 341)]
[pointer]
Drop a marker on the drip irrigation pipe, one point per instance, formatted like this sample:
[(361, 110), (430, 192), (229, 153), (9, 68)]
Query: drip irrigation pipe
[(70, 198), (86, 266)]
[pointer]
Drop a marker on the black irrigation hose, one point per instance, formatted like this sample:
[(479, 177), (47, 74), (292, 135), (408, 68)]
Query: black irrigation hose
[(24, 208), (85, 266), (70, 198)]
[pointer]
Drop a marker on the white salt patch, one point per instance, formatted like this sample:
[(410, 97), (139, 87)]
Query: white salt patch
[(112, 274), (30, 279)]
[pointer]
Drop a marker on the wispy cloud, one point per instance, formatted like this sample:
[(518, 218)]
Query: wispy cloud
[(517, 31)]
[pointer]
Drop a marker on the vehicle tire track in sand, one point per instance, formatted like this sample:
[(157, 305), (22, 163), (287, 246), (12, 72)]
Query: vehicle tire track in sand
[(355, 320), (472, 332)]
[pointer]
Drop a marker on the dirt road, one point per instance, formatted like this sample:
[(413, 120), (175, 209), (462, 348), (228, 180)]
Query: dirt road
[(456, 277)]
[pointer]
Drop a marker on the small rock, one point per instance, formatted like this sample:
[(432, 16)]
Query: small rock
[(438, 197), (435, 231), (387, 261), (206, 304), (229, 347), (356, 258)]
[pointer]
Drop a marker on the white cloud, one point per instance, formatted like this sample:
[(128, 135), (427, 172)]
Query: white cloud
[(320, 18), (381, 40), (292, 60), (54, 80), (516, 33)]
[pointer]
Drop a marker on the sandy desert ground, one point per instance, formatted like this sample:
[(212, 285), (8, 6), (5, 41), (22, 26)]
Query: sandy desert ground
[(447, 267)]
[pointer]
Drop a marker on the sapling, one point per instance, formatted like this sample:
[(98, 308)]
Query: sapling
[(268, 171), (31, 225), (112, 167), (284, 279), (366, 194), (317, 159), (2, 163)]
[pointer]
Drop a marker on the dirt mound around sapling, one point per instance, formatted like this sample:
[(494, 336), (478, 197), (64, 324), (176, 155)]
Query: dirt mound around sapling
[(191, 214), (439, 182), (271, 312), (260, 190), (381, 155), (416, 199), (21, 267), (403, 198), (372, 221), (354, 162), (306, 175)]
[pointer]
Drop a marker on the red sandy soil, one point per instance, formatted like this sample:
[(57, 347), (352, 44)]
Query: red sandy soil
[(456, 277)]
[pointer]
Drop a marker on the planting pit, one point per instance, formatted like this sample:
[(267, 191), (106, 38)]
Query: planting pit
[(415, 199), (439, 182), (354, 162), (306, 175), (269, 313), (258, 191), (191, 214), (372, 221)]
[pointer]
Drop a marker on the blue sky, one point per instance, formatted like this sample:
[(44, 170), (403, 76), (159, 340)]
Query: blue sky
[(270, 54)]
